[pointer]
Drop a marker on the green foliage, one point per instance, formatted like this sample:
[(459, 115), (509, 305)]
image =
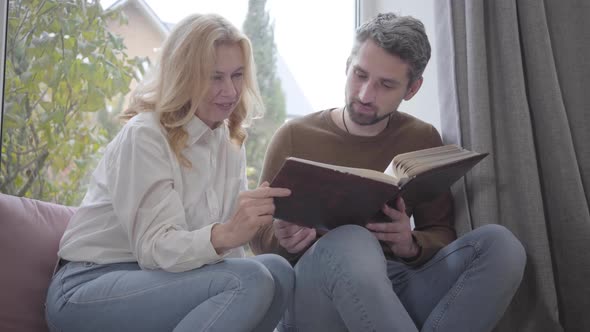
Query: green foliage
[(260, 30), (62, 67)]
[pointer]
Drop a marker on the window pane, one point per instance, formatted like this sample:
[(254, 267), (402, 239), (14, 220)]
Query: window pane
[(70, 66), (65, 73)]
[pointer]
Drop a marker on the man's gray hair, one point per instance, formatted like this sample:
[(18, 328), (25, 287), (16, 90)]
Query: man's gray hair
[(403, 36)]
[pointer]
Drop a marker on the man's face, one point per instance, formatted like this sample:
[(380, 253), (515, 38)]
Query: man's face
[(376, 84)]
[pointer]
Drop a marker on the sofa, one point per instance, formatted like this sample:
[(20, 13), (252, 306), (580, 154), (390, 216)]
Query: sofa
[(30, 231)]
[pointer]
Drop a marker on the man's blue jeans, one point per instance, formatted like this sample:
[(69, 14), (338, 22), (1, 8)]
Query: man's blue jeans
[(248, 294), (344, 283)]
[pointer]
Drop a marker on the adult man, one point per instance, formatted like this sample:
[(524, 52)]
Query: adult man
[(422, 279)]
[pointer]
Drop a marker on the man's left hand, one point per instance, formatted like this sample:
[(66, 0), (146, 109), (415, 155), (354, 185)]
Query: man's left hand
[(397, 233)]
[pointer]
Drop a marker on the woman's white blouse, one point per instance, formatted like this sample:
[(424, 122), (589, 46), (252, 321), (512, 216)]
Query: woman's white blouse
[(143, 206)]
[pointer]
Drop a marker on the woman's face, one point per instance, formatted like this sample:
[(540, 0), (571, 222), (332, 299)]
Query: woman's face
[(225, 85)]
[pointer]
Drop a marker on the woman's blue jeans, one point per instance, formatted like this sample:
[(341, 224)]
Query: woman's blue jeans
[(237, 294)]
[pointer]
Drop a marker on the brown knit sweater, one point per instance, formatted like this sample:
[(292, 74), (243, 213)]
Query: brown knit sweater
[(317, 137)]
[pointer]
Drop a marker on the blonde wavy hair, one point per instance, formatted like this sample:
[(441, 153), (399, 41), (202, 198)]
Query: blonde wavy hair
[(179, 82)]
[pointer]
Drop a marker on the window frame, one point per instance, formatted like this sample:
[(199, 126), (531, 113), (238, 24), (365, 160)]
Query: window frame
[(3, 31)]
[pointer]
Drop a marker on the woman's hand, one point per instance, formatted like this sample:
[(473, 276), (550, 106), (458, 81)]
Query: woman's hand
[(255, 209)]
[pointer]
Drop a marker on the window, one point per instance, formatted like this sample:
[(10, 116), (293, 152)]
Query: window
[(69, 67)]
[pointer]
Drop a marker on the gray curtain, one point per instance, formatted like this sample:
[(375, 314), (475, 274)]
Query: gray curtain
[(514, 81)]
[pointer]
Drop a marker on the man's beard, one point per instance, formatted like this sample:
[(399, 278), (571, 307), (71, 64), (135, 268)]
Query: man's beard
[(366, 120)]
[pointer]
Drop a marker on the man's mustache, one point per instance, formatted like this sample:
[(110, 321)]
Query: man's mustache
[(369, 105)]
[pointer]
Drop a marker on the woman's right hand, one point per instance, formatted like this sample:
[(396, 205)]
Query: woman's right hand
[(255, 209)]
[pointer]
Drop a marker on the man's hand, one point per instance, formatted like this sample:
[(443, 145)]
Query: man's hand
[(398, 233), (293, 238)]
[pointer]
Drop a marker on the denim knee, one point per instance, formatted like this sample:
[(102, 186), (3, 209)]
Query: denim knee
[(348, 237), (280, 269), (276, 264), (505, 248), (349, 250), (253, 279)]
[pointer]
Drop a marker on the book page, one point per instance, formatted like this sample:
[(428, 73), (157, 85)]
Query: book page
[(416, 162), (443, 149), (422, 164), (363, 172), (400, 176)]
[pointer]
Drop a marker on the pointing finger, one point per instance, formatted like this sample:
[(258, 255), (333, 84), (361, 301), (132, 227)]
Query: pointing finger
[(265, 192)]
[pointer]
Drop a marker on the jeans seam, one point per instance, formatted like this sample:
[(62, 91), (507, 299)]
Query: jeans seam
[(62, 294), (333, 265), (459, 287), (431, 263), (106, 299), (222, 310)]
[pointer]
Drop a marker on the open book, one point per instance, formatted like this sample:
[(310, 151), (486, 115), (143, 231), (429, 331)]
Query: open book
[(326, 196)]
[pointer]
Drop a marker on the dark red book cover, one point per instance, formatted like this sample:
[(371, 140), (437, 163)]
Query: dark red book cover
[(326, 198)]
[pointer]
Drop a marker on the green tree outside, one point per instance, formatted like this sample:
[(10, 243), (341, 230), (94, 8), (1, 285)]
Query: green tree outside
[(260, 30), (62, 67)]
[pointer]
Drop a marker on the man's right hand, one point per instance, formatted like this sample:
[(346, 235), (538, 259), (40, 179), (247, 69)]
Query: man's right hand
[(292, 237)]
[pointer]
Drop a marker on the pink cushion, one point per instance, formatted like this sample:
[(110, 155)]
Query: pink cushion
[(30, 231)]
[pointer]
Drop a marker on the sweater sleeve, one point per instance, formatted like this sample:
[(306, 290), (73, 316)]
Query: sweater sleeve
[(433, 227)]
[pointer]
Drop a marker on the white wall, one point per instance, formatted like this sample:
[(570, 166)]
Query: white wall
[(425, 104)]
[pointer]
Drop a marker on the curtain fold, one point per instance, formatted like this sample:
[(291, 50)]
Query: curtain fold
[(514, 77)]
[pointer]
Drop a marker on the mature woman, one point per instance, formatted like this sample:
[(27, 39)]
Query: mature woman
[(157, 242)]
